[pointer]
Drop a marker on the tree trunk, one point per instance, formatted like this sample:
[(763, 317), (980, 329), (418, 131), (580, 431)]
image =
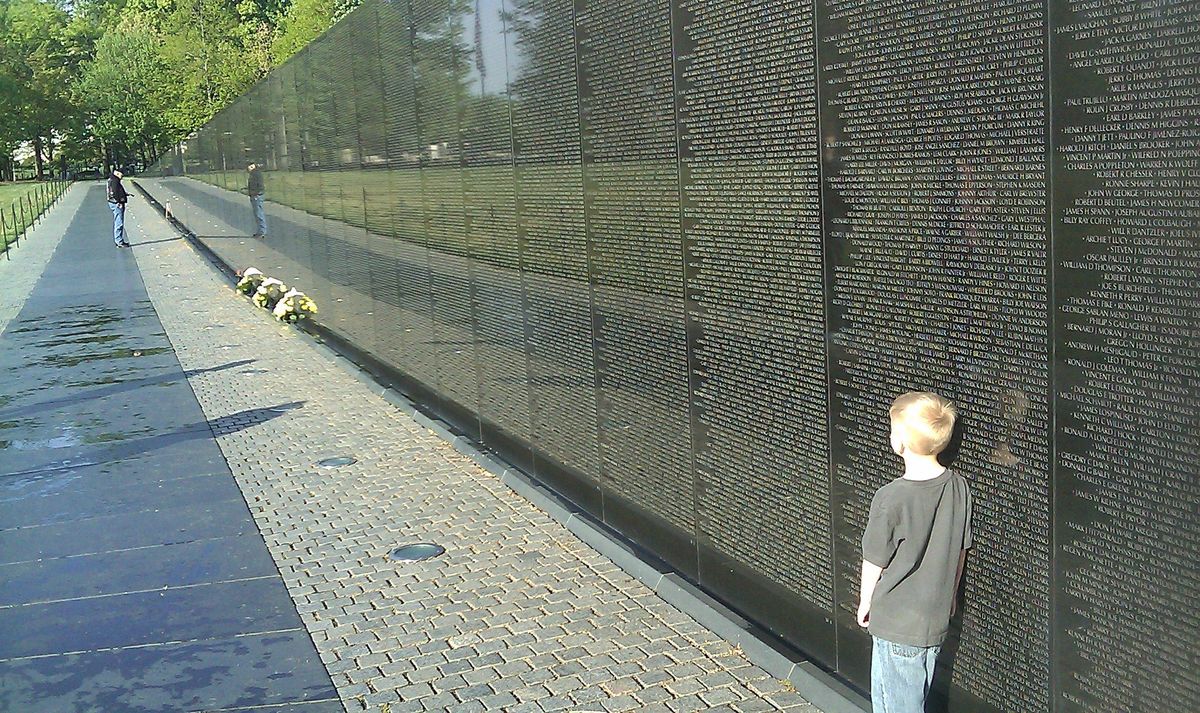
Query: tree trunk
[(50, 155), (37, 157)]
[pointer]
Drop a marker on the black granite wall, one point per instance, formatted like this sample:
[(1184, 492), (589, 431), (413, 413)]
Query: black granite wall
[(676, 257)]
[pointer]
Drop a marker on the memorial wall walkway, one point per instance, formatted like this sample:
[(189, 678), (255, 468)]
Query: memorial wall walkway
[(675, 258)]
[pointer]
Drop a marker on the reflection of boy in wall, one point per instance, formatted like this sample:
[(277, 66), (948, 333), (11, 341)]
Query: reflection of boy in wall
[(254, 187), (914, 547)]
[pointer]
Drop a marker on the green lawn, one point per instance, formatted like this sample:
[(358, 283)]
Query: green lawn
[(472, 211), (20, 203), (9, 192)]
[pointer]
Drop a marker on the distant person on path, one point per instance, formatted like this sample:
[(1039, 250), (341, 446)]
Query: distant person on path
[(117, 198), (914, 547), (254, 186)]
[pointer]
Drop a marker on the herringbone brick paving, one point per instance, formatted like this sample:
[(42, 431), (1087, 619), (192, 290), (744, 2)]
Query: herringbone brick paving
[(518, 615)]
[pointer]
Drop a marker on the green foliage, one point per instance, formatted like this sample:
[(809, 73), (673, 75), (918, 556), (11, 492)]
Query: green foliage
[(303, 22), (120, 87), (124, 78), (205, 61), (38, 56)]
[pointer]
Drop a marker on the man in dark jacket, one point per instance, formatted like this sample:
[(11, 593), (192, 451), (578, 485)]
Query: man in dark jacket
[(117, 198), (254, 186)]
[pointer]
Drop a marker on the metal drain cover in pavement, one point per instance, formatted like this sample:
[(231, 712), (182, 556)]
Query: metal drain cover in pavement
[(417, 552), (337, 462)]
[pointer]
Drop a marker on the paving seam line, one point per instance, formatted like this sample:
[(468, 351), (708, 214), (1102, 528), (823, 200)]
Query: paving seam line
[(821, 688)]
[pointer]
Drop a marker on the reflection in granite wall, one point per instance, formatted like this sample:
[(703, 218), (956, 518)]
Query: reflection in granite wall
[(631, 199), (487, 140), (675, 257), (756, 302), (937, 205), (544, 96)]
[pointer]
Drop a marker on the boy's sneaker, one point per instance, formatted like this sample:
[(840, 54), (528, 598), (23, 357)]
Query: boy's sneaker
[(124, 244)]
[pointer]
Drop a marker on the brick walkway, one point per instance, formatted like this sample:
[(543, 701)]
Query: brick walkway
[(518, 615)]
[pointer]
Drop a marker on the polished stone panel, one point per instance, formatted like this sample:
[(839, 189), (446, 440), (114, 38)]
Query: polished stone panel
[(756, 301), (489, 188), (631, 197), (553, 232), (937, 241), (1127, 265)]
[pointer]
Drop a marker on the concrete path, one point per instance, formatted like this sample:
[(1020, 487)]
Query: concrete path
[(132, 575)]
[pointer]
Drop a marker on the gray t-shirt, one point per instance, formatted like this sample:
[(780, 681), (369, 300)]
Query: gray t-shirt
[(915, 532)]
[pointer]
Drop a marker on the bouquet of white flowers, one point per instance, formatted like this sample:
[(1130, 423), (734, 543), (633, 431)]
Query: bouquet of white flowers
[(270, 291), (251, 278), (294, 306)]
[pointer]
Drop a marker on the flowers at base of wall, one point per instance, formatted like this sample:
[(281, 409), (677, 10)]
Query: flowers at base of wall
[(271, 294), (294, 306), (270, 291), (251, 278)]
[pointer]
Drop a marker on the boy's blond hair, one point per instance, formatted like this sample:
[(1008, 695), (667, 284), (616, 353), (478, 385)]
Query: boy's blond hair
[(924, 420)]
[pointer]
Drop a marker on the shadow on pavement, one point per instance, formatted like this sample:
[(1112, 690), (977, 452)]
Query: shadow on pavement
[(102, 392), (151, 242), (201, 430)]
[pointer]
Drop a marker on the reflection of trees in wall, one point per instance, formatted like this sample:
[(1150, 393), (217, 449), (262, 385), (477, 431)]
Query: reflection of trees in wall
[(289, 118), (257, 126), (304, 107), (539, 49), (396, 76), (320, 104), (486, 121), (366, 58), (274, 128), (441, 65), (542, 81), (345, 40), (531, 68), (207, 150)]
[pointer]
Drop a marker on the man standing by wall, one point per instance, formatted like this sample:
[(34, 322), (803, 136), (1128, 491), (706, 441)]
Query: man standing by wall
[(117, 198), (254, 186)]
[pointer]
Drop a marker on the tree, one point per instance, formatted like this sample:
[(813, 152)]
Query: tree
[(302, 22), (83, 79), (124, 91), (38, 56)]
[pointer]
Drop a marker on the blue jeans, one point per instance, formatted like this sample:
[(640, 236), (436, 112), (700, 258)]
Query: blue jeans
[(901, 676), (118, 211), (260, 216)]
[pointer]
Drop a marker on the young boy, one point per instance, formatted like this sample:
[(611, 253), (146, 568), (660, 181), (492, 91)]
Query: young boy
[(916, 541)]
